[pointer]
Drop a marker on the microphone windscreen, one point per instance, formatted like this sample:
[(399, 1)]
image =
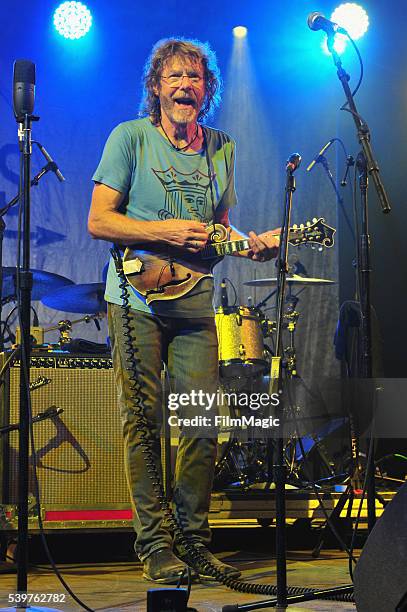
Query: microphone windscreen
[(23, 88), (24, 71)]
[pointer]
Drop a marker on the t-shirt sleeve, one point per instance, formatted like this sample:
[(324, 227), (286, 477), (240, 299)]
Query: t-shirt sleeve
[(116, 165), (229, 197)]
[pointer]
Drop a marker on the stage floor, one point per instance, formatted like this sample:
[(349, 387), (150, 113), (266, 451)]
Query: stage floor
[(111, 583)]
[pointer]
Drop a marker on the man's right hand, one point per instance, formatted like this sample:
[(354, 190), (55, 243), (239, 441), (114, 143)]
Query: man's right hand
[(189, 235), (107, 223)]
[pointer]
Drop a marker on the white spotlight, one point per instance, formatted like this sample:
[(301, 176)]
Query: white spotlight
[(353, 18), (240, 32)]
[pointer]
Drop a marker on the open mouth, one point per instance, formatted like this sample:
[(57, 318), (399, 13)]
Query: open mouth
[(184, 102)]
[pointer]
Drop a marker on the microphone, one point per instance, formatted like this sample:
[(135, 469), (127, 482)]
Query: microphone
[(293, 162), (224, 300), (23, 89), (322, 151), (52, 164), (316, 21)]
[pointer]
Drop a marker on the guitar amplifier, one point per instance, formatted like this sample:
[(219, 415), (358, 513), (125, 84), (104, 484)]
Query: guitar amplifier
[(79, 452)]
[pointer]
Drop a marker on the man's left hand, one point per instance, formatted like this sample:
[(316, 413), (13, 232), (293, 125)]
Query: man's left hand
[(263, 246)]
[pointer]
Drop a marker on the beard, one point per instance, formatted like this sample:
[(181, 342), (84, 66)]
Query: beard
[(181, 114)]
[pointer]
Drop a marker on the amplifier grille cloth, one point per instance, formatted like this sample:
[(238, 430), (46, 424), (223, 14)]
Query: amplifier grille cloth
[(79, 452)]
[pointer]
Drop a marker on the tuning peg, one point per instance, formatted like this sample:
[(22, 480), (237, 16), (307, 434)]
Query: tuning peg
[(308, 223), (302, 226), (314, 220), (295, 226)]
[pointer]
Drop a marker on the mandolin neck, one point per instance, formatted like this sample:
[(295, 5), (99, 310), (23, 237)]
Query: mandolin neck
[(220, 249)]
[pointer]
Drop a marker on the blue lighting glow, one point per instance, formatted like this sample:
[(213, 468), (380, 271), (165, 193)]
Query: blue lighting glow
[(340, 42), (72, 20), (353, 18)]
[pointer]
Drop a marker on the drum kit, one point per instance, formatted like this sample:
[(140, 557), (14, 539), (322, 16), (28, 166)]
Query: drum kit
[(59, 293), (242, 330), (245, 336)]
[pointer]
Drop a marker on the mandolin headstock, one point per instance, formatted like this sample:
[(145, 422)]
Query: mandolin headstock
[(314, 232)]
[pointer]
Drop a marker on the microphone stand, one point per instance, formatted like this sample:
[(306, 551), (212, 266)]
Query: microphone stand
[(276, 386), (25, 287), (367, 165)]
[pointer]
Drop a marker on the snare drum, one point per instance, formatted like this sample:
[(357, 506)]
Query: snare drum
[(241, 348)]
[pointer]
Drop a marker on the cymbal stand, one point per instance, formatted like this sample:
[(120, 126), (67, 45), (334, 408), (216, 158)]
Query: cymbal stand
[(291, 317)]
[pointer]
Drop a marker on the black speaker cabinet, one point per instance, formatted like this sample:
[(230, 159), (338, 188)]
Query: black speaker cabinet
[(381, 574), (79, 453)]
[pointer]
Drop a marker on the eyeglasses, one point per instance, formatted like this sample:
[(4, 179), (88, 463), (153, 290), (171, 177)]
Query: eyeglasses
[(175, 80)]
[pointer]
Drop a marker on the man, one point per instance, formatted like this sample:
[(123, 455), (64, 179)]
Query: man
[(161, 181)]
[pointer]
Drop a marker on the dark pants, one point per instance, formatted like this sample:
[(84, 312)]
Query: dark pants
[(190, 348)]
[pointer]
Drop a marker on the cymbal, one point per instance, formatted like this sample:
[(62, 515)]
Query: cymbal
[(43, 283), (290, 280), (85, 299)]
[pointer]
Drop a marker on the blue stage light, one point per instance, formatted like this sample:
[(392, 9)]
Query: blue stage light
[(353, 18), (72, 20)]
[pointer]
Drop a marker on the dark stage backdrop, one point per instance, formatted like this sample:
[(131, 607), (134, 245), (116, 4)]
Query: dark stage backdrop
[(281, 95)]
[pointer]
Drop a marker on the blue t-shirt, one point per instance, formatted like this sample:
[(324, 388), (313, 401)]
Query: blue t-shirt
[(162, 183)]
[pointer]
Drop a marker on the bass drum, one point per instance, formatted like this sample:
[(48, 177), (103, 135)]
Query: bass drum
[(241, 346)]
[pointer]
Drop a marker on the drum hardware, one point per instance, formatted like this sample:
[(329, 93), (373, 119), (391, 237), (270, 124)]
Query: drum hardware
[(268, 327), (242, 366), (241, 463), (291, 317), (43, 283), (65, 327)]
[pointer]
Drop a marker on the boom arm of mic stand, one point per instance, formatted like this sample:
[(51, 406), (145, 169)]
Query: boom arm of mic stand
[(362, 131), (34, 183), (324, 162)]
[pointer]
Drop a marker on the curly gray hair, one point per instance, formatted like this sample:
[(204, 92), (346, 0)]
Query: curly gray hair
[(185, 48)]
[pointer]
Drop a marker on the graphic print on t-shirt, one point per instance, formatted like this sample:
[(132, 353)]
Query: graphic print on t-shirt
[(185, 194)]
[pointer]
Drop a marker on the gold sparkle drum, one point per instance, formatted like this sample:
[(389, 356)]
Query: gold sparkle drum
[(241, 348)]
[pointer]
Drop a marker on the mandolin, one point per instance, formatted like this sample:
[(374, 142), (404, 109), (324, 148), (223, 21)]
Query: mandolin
[(167, 274)]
